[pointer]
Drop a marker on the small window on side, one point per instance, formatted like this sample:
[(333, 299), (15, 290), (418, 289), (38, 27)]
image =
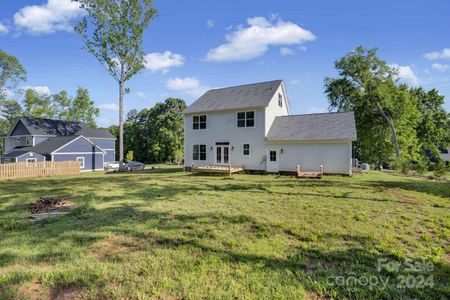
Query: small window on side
[(246, 149), (81, 161), (280, 100), (29, 141)]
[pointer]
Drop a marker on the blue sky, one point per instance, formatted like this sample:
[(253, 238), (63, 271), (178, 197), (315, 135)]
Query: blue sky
[(195, 45)]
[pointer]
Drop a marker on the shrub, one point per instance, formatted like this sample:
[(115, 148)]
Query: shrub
[(439, 169), (421, 167)]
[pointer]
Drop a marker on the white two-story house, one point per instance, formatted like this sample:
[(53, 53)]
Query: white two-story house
[(252, 126)]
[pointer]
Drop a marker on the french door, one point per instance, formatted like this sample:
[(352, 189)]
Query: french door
[(222, 153)]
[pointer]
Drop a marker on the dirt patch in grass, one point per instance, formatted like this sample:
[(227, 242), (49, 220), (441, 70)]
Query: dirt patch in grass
[(34, 290), (66, 293), (113, 247), (313, 296), (402, 198)]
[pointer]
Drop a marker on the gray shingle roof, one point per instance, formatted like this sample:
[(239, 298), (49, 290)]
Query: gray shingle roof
[(48, 146), (14, 154), (313, 127), (38, 126), (243, 96)]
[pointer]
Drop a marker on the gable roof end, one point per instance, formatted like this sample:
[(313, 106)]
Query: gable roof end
[(243, 96), (313, 127)]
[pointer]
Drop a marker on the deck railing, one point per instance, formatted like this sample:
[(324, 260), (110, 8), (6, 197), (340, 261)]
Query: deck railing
[(38, 169)]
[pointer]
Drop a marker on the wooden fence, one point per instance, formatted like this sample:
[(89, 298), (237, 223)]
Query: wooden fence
[(38, 169)]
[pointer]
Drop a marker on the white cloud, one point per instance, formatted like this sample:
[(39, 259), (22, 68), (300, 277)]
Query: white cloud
[(284, 51), (49, 17), (295, 82), (162, 62), (43, 90), (3, 29), (210, 24), (443, 54), (440, 67), (105, 122), (254, 40), (187, 85), (405, 73), (109, 106), (141, 95)]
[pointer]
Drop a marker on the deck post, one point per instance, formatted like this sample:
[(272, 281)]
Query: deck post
[(321, 169), (229, 170), (298, 170), (192, 168)]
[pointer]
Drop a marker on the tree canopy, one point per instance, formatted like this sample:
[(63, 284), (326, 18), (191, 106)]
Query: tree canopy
[(393, 121), (116, 40)]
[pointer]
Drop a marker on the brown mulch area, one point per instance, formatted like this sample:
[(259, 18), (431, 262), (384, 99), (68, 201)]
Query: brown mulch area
[(47, 204)]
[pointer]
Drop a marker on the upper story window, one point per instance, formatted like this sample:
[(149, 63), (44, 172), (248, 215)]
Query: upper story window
[(199, 122), (29, 141), (280, 100), (246, 119)]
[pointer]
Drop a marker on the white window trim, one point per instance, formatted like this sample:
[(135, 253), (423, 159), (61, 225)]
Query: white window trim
[(192, 127), (249, 149), (246, 111), (206, 152), (82, 165)]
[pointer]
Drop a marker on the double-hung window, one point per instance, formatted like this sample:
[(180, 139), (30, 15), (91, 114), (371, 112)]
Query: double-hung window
[(199, 122), (29, 141), (246, 149), (246, 119), (199, 152)]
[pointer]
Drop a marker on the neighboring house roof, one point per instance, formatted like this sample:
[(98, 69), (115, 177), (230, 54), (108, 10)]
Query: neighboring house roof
[(15, 154), (313, 127), (51, 145), (49, 127), (243, 96)]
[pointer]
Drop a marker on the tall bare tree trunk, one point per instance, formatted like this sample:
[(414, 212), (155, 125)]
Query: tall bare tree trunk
[(393, 131), (121, 121)]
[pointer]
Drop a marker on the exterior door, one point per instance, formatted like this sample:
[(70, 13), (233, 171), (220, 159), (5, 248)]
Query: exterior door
[(222, 154), (272, 161)]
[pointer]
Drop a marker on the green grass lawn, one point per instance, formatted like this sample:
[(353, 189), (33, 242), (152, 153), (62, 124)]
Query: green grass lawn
[(166, 234)]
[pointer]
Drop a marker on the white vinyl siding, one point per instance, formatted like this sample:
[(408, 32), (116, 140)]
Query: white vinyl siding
[(335, 157)]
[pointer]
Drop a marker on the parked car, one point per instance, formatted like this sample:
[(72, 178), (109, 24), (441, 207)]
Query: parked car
[(134, 166), (112, 166)]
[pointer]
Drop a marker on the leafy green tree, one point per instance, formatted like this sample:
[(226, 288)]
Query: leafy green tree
[(434, 126), (82, 108), (63, 104), (39, 105), (367, 86), (116, 40), (9, 111), (11, 73)]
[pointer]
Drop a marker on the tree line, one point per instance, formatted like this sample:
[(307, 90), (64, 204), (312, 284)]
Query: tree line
[(396, 124), (155, 134)]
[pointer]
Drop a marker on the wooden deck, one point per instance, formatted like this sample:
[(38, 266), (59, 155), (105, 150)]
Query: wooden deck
[(217, 169), (301, 174)]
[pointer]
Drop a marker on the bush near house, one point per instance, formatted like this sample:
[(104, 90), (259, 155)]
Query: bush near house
[(167, 234)]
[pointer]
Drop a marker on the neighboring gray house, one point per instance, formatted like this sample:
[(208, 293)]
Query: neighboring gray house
[(34, 139), (445, 154), (252, 125)]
